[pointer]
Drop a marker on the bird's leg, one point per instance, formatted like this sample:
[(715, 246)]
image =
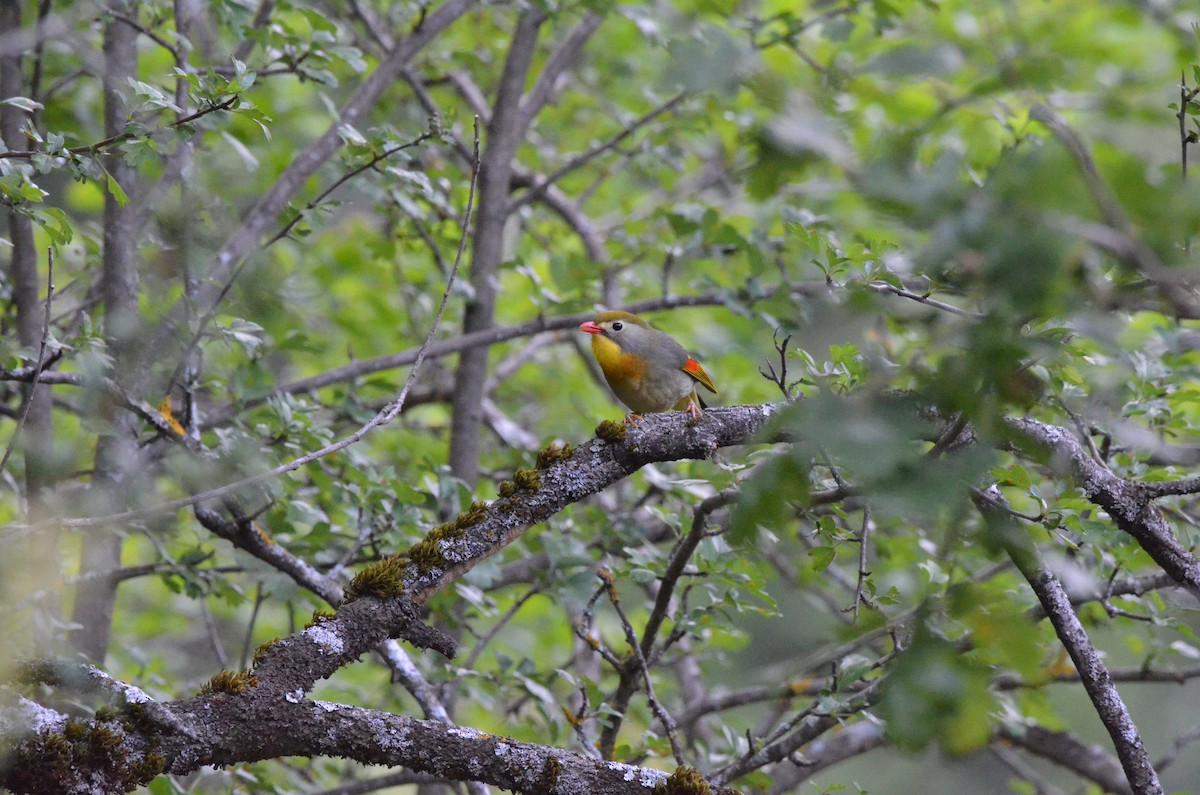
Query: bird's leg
[(693, 409), (632, 419)]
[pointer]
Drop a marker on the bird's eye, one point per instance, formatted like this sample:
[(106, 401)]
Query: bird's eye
[(618, 326)]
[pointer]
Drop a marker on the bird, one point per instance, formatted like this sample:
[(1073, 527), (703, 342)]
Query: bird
[(647, 370)]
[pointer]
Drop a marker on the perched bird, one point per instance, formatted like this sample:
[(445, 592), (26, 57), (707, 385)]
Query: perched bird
[(648, 370)]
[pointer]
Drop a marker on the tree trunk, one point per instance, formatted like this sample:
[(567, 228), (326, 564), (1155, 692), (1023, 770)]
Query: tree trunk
[(36, 435), (504, 134), (116, 450)]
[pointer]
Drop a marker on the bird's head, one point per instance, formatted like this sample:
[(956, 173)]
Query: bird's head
[(625, 329)]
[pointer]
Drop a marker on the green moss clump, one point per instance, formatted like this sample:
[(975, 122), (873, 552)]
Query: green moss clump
[(232, 682), (104, 740), (381, 579), (527, 479), (472, 515), (611, 431), (446, 531), (76, 730), (50, 762), (53, 749), (684, 781), (107, 712), (552, 454), (151, 766), (507, 489), (36, 763), (427, 554), (137, 720)]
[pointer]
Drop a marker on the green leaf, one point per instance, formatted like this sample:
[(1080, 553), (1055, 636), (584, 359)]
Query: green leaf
[(117, 191), (24, 103), (822, 557)]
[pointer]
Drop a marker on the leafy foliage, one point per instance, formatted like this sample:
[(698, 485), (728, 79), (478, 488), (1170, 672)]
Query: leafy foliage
[(946, 216)]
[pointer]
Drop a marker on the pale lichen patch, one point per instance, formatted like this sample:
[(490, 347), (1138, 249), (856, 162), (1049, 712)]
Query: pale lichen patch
[(328, 641)]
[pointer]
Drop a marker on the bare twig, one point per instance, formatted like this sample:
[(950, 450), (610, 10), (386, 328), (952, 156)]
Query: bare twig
[(1137, 256), (201, 326), (884, 287), (780, 378), (559, 60), (509, 614), (864, 536), (442, 348), (680, 556), (342, 180), (247, 237), (1186, 95), (642, 668), (543, 184)]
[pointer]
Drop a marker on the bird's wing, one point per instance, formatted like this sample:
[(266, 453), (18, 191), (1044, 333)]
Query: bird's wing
[(693, 368)]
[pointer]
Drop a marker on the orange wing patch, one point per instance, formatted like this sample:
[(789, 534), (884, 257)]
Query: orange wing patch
[(164, 410), (693, 368)]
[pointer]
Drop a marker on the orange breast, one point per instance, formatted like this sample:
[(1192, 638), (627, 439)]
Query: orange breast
[(625, 374), (619, 367)]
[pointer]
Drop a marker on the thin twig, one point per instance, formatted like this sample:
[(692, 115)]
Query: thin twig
[(214, 637), (544, 184), (125, 136), (260, 596), (884, 287), (364, 535), (1137, 255), (631, 637), (349, 175), (41, 361), (780, 378), (447, 347), (863, 538), (509, 614)]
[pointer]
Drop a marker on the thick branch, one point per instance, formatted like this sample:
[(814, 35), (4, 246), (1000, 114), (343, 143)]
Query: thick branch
[(1109, 706), (380, 738), (1089, 761), (563, 57)]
